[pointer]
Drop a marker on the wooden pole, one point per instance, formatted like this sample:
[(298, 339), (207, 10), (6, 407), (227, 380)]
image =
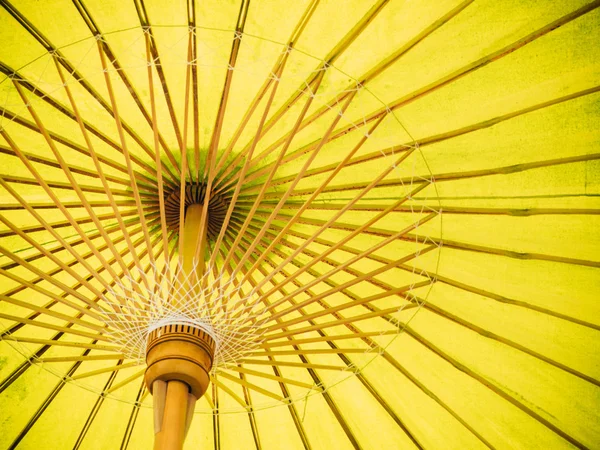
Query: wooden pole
[(172, 431), (179, 358)]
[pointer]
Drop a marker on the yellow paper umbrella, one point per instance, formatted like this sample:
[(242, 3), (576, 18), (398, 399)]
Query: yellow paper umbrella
[(310, 224)]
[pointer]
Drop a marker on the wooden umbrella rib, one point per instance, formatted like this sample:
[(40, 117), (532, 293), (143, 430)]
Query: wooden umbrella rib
[(125, 151), (211, 157), (46, 97), (511, 253), (209, 169), (70, 178), (301, 365), (48, 279), (50, 326), (93, 413), (266, 184), (515, 212), (249, 385), (108, 192), (125, 382), (251, 417), (490, 335), (329, 59), (113, 369), (442, 279), (193, 62), (61, 266), (142, 392), (147, 27), (21, 369), (45, 405), (383, 65), (278, 70), (314, 195), (494, 56), (268, 376), (334, 323), (183, 150), (338, 288), (142, 177), (298, 177), (72, 205), (39, 159), (327, 338), (519, 303), (56, 200), (60, 343), (57, 236), (359, 229), (71, 69), (459, 73), (91, 23), (215, 381), (159, 165), (492, 386), (59, 184), (308, 351), (22, 262), (318, 383), (51, 313), (238, 186)]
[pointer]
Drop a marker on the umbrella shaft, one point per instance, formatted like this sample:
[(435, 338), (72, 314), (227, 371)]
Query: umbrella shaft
[(173, 427)]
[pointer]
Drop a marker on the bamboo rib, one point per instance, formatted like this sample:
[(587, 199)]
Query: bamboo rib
[(329, 59), (45, 42), (36, 90), (158, 161), (278, 71), (125, 151), (327, 338), (217, 384), (113, 369), (238, 185), (60, 343), (357, 230), (251, 417), (269, 376), (430, 88), (54, 314), (314, 195), (442, 279), (39, 159), (313, 373), (264, 187), (49, 326), (298, 177), (86, 16), (147, 27), (249, 385), (183, 151), (47, 254), (125, 382), (382, 66), (71, 179), (100, 172), (58, 203), (142, 178)]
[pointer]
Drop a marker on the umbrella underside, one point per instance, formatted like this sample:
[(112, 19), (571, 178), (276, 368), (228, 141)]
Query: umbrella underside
[(435, 158)]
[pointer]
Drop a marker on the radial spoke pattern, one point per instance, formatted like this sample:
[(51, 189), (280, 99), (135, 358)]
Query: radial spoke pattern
[(353, 173)]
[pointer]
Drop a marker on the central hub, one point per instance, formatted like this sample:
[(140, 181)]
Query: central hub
[(180, 353), (194, 195)]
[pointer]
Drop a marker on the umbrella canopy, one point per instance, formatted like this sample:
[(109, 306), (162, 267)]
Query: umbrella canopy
[(382, 215)]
